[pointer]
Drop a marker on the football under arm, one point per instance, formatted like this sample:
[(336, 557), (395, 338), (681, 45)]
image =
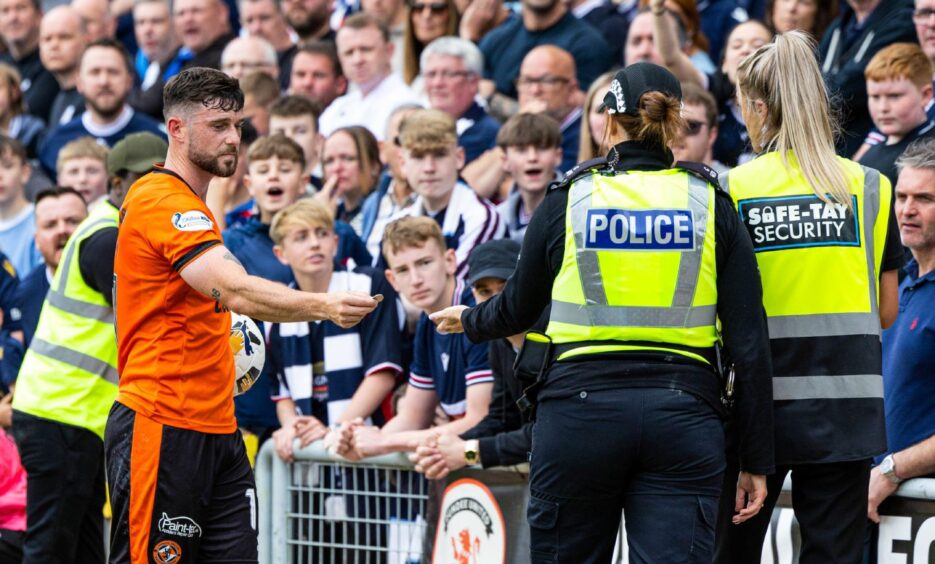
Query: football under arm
[(218, 274)]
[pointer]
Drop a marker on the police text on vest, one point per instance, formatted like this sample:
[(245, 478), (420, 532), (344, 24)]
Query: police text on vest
[(640, 230)]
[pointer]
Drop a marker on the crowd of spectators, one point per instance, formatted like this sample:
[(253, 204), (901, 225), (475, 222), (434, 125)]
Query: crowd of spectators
[(388, 140)]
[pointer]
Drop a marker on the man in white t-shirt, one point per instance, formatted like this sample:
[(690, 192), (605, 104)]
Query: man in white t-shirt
[(365, 51)]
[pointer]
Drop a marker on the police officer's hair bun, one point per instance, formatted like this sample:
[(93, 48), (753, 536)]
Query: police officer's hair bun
[(659, 122)]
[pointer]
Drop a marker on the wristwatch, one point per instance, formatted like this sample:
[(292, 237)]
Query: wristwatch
[(888, 469), (472, 452)]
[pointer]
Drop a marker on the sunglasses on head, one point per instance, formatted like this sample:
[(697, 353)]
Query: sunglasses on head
[(692, 127), (434, 7)]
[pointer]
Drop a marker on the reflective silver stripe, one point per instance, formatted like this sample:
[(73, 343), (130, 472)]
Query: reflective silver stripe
[(690, 262), (597, 313), (589, 267), (77, 307), (871, 211), (828, 387), (724, 181), (74, 358), (632, 316), (823, 325), (56, 295)]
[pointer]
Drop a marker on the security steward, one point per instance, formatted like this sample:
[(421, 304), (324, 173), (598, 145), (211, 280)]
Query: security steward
[(638, 261), (828, 250), (68, 380)]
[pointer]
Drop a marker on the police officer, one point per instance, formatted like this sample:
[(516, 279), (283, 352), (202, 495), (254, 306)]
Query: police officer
[(827, 247), (68, 380), (636, 259)]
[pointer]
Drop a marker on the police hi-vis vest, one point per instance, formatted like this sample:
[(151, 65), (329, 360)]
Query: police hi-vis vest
[(69, 373), (638, 266), (820, 266)]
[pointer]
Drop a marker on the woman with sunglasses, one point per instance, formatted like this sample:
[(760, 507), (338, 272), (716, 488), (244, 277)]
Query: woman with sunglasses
[(828, 249), (636, 260), (427, 21)]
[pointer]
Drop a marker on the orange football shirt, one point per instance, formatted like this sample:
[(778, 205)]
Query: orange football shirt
[(174, 355)]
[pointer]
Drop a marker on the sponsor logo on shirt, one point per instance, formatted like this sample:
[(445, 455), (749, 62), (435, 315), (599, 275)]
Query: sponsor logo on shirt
[(179, 526), (191, 221), (788, 222), (640, 230)]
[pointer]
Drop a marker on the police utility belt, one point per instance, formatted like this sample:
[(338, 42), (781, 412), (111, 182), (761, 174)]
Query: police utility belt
[(538, 353)]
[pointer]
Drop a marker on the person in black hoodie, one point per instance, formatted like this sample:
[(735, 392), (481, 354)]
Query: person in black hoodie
[(863, 28)]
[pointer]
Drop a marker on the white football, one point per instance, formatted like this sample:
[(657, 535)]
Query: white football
[(249, 350)]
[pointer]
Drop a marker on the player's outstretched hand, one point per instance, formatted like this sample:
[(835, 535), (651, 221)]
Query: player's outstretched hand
[(346, 309), (448, 320)]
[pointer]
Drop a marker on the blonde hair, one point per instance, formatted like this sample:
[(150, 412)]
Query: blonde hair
[(784, 75), (587, 148), (411, 232), (900, 60), (300, 214), (81, 148)]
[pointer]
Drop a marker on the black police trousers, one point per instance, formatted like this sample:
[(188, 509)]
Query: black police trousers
[(830, 503), (64, 491), (656, 454)]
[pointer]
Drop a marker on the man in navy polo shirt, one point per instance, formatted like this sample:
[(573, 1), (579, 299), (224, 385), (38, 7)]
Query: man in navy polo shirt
[(446, 369), (908, 360), (541, 22)]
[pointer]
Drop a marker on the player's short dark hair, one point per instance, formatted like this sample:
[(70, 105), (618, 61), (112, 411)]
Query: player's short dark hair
[(110, 43), (203, 86), (12, 147), (526, 129), (323, 49), (58, 192), (295, 105)]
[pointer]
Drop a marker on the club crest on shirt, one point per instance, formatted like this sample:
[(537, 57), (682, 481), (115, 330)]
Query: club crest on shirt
[(193, 220)]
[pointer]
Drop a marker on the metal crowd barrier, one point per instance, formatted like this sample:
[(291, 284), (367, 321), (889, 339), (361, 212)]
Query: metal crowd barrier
[(323, 509)]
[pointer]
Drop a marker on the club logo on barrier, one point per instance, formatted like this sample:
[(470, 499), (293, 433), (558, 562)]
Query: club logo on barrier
[(179, 526), (470, 527), (167, 552)]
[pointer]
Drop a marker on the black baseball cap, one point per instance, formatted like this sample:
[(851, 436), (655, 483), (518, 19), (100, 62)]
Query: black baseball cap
[(493, 259), (634, 81)]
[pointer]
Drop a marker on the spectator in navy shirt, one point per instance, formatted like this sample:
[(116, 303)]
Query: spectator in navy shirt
[(899, 88), (105, 78), (541, 22), (451, 71), (504, 436), (61, 41), (11, 336), (324, 374), (446, 370), (908, 362), (58, 212)]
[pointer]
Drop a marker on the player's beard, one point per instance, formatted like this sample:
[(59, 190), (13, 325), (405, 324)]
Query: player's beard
[(212, 163)]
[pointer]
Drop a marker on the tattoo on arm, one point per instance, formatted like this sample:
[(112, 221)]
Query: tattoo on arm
[(503, 107), (231, 257), (215, 293)]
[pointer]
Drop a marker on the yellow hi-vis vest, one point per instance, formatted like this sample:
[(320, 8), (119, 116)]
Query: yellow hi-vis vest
[(820, 265), (638, 265), (69, 373)]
